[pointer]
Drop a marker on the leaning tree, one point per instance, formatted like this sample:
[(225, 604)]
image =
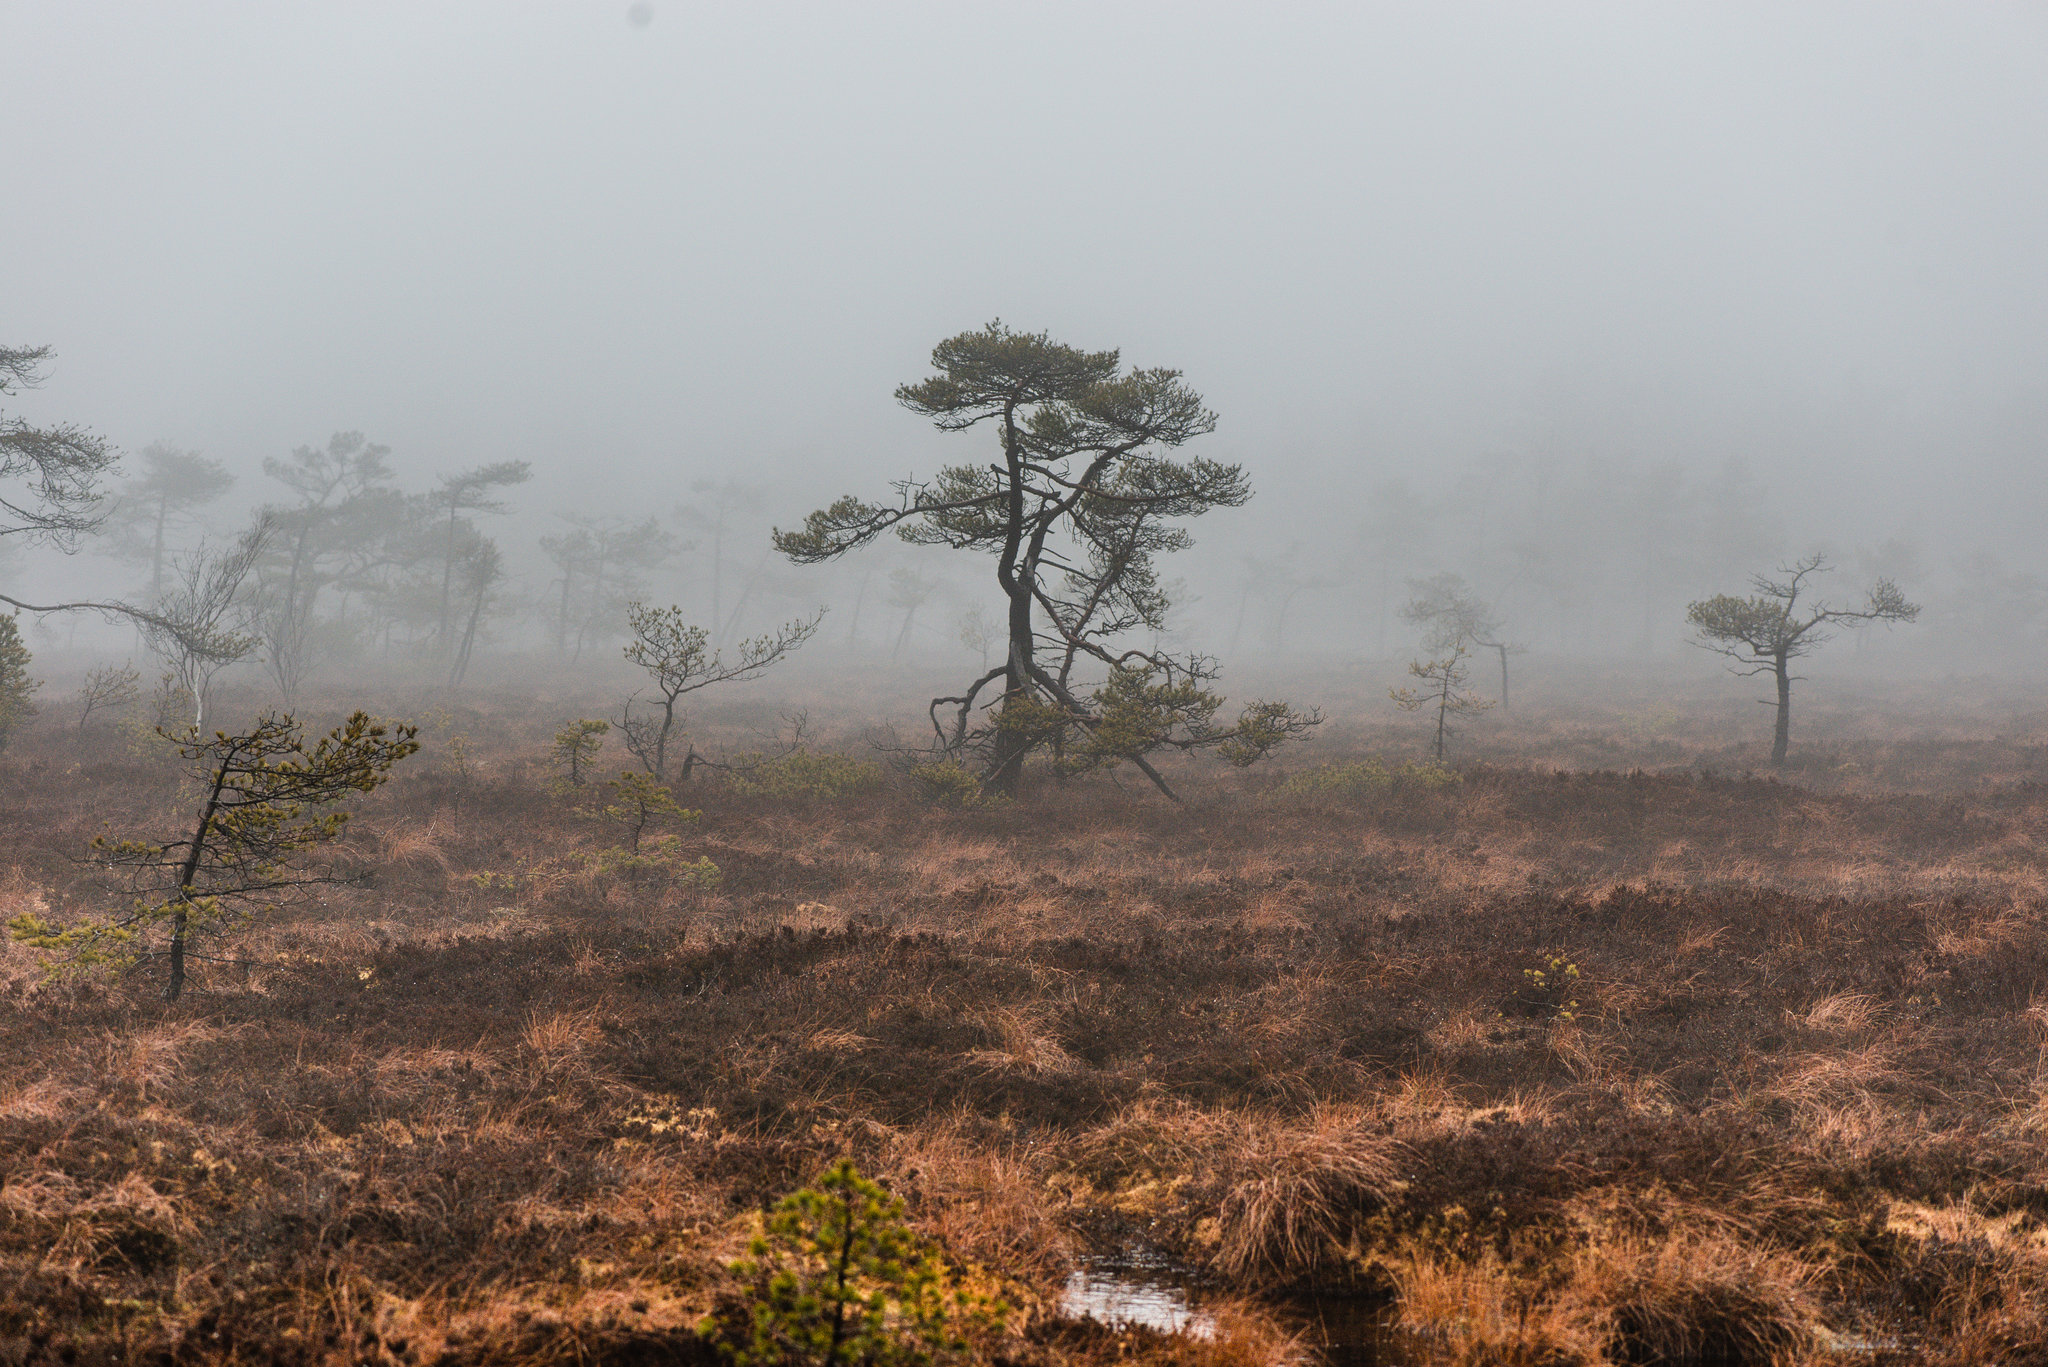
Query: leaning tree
[(266, 798), (1072, 510), (1765, 632)]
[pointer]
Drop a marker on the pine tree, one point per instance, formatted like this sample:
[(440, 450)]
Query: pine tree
[(268, 798), (17, 689)]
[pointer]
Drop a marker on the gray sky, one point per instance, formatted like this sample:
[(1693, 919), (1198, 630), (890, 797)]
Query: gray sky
[(1377, 239)]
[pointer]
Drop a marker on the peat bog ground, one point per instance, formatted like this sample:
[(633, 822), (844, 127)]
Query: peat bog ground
[(1540, 1065)]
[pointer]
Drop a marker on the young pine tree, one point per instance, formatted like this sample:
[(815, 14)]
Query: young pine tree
[(576, 748), (17, 689), (637, 799), (267, 799), (1444, 692), (841, 1280)]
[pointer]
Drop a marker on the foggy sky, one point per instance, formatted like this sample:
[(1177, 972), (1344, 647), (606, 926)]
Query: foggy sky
[(1379, 240)]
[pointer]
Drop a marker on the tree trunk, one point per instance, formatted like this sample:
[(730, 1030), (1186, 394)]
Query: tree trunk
[(562, 615), (156, 552), (730, 631), (1503, 676), (180, 919), (1012, 742), (476, 612), (668, 721), (176, 986), (1783, 737), (441, 633), (853, 627), (903, 636)]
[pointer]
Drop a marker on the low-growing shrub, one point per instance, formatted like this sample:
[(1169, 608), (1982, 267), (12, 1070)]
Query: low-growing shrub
[(948, 783), (804, 774), (1366, 778), (837, 1276), (661, 858), (1551, 990)]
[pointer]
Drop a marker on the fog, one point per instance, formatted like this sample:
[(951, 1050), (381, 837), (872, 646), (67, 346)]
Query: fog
[(1600, 307)]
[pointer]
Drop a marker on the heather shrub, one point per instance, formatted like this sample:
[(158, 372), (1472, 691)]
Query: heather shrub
[(1366, 779), (947, 783), (804, 774), (660, 858)]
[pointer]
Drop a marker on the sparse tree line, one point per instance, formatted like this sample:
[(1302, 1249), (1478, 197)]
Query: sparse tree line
[(1782, 620), (1595, 558), (1084, 497)]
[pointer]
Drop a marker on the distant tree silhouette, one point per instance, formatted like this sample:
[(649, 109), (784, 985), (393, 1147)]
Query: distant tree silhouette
[(1766, 631), (469, 492), (172, 486), (1443, 691), (1452, 615)]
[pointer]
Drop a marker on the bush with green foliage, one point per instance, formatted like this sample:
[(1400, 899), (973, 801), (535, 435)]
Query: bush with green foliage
[(576, 749), (1367, 778), (949, 783), (636, 799), (17, 689), (803, 774), (662, 859), (838, 1277)]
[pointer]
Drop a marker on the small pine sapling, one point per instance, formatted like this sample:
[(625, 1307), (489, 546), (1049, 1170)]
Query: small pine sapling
[(840, 1278), (1444, 690), (637, 799), (576, 748)]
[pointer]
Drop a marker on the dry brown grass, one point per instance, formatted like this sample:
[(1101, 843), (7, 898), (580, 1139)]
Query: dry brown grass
[(526, 1117), (1693, 1297), (1479, 1312), (1294, 1190)]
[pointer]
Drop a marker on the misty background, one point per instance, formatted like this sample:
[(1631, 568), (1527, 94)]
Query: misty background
[(1602, 308)]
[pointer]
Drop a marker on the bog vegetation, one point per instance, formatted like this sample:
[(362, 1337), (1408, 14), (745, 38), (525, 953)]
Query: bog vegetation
[(629, 1027), (1527, 1063)]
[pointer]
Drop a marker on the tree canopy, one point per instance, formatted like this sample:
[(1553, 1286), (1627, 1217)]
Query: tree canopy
[(1764, 632), (1073, 513)]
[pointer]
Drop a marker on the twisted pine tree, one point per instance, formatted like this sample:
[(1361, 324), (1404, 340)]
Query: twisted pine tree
[(1765, 632), (1075, 508)]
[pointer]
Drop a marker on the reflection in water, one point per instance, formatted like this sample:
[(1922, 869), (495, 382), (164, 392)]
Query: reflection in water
[(1139, 1289), (1146, 1290), (1122, 1295), (1347, 1332)]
